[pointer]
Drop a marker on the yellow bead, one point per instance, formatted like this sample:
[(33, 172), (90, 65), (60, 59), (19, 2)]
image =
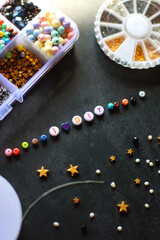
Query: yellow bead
[(61, 40), (47, 14), (39, 44), (47, 49), (1, 34), (20, 48), (55, 23), (41, 29), (48, 43)]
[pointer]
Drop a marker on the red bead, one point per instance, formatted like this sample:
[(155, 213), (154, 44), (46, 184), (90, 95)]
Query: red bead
[(125, 102), (1, 21), (16, 151), (116, 104)]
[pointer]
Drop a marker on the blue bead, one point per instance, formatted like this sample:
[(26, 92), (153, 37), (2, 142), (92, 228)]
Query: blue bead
[(7, 40), (43, 138), (29, 31), (31, 37), (36, 33), (110, 106)]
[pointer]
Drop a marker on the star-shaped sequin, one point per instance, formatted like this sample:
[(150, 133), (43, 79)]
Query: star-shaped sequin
[(130, 152), (43, 172), (113, 158), (73, 170), (76, 201), (123, 207), (137, 181)]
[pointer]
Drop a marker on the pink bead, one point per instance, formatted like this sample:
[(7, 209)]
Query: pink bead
[(65, 41), (70, 35), (8, 152), (47, 37), (41, 38), (44, 24), (69, 29), (55, 50), (42, 18)]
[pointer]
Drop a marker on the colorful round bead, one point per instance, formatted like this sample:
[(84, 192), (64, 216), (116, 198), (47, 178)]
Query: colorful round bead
[(99, 110), (16, 151), (77, 120), (116, 104), (25, 145), (125, 102), (89, 116), (43, 138), (110, 106), (35, 141), (8, 152), (54, 131)]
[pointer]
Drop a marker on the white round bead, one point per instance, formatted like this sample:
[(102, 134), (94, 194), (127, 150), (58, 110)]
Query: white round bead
[(119, 228), (56, 224), (89, 116), (113, 185), (137, 160), (54, 131), (77, 120), (142, 94), (158, 171), (146, 183), (92, 215), (150, 137), (151, 164), (147, 161), (99, 110), (146, 205), (151, 191), (98, 172)]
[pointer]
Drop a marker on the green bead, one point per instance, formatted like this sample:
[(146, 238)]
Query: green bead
[(9, 55), (4, 25), (25, 145), (2, 46), (54, 33), (61, 29), (55, 41), (6, 34)]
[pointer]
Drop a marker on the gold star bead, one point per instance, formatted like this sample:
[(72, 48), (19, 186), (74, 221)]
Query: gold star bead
[(113, 158), (137, 181), (76, 201), (73, 170), (43, 172), (130, 151), (123, 207), (158, 138)]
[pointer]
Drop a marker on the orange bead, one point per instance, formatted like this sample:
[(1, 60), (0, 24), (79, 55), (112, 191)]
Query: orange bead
[(125, 102), (16, 151)]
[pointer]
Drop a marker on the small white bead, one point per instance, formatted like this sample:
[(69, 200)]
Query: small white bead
[(146, 205), (146, 183), (151, 164), (54, 131), (113, 185), (137, 160), (92, 215), (149, 137), (76, 120), (158, 171), (151, 191), (56, 224), (142, 94), (119, 228), (98, 172), (99, 110), (147, 161), (89, 116)]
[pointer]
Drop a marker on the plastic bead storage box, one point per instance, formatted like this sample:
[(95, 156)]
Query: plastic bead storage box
[(30, 60)]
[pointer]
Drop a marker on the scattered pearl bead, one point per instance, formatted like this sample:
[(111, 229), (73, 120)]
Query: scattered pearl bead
[(142, 94), (146, 183), (119, 228), (158, 171), (151, 164), (147, 161), (151, 191), (150, 137), (92, 215), (113, 185), (56, 224), (98, 172), (137, 160), (146, 205)]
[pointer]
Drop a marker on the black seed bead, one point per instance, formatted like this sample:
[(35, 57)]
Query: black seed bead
[(84, 229), (157, 162), (135, 141), (133, 101)]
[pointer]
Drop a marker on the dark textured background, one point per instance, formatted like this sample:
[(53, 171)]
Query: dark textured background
[(83, 79)]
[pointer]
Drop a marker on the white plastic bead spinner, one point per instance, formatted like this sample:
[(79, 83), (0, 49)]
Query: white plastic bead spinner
[(128, 31)]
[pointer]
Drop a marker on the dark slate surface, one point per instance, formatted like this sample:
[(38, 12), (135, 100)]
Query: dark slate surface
[(83, 79)]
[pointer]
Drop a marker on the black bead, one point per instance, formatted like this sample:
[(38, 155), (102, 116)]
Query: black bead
[(133, 101), (135, 141), (84, 229), (157, 162)]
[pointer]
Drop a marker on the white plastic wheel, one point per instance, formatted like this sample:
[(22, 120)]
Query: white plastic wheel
[(128, 31)]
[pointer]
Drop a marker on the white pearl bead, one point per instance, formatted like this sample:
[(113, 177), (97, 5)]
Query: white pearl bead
[(158, 171), (98, 172), (92, 215), (54, 131), (113, 185), (99, 110), (150, 137), (151, 164), (77, 120), (89, 116), (142, 94), (137, 160), (146, 183), (56, 224), (147, 161), (119, 228), (151, 191), (146, 205)]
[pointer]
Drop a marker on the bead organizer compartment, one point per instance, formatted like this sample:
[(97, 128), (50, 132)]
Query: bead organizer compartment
[(17, 86), (128, 31)]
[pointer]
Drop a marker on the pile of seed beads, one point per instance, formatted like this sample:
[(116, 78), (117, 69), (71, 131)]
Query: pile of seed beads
[(19, 66), (4, 94), (50, 33), (19, 12), (6, 34)]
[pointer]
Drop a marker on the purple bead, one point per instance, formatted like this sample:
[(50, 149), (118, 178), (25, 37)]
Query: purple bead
[(60, 46), (66, 24), (36, 25), (65, 126), (46, 30), (61, 19)]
